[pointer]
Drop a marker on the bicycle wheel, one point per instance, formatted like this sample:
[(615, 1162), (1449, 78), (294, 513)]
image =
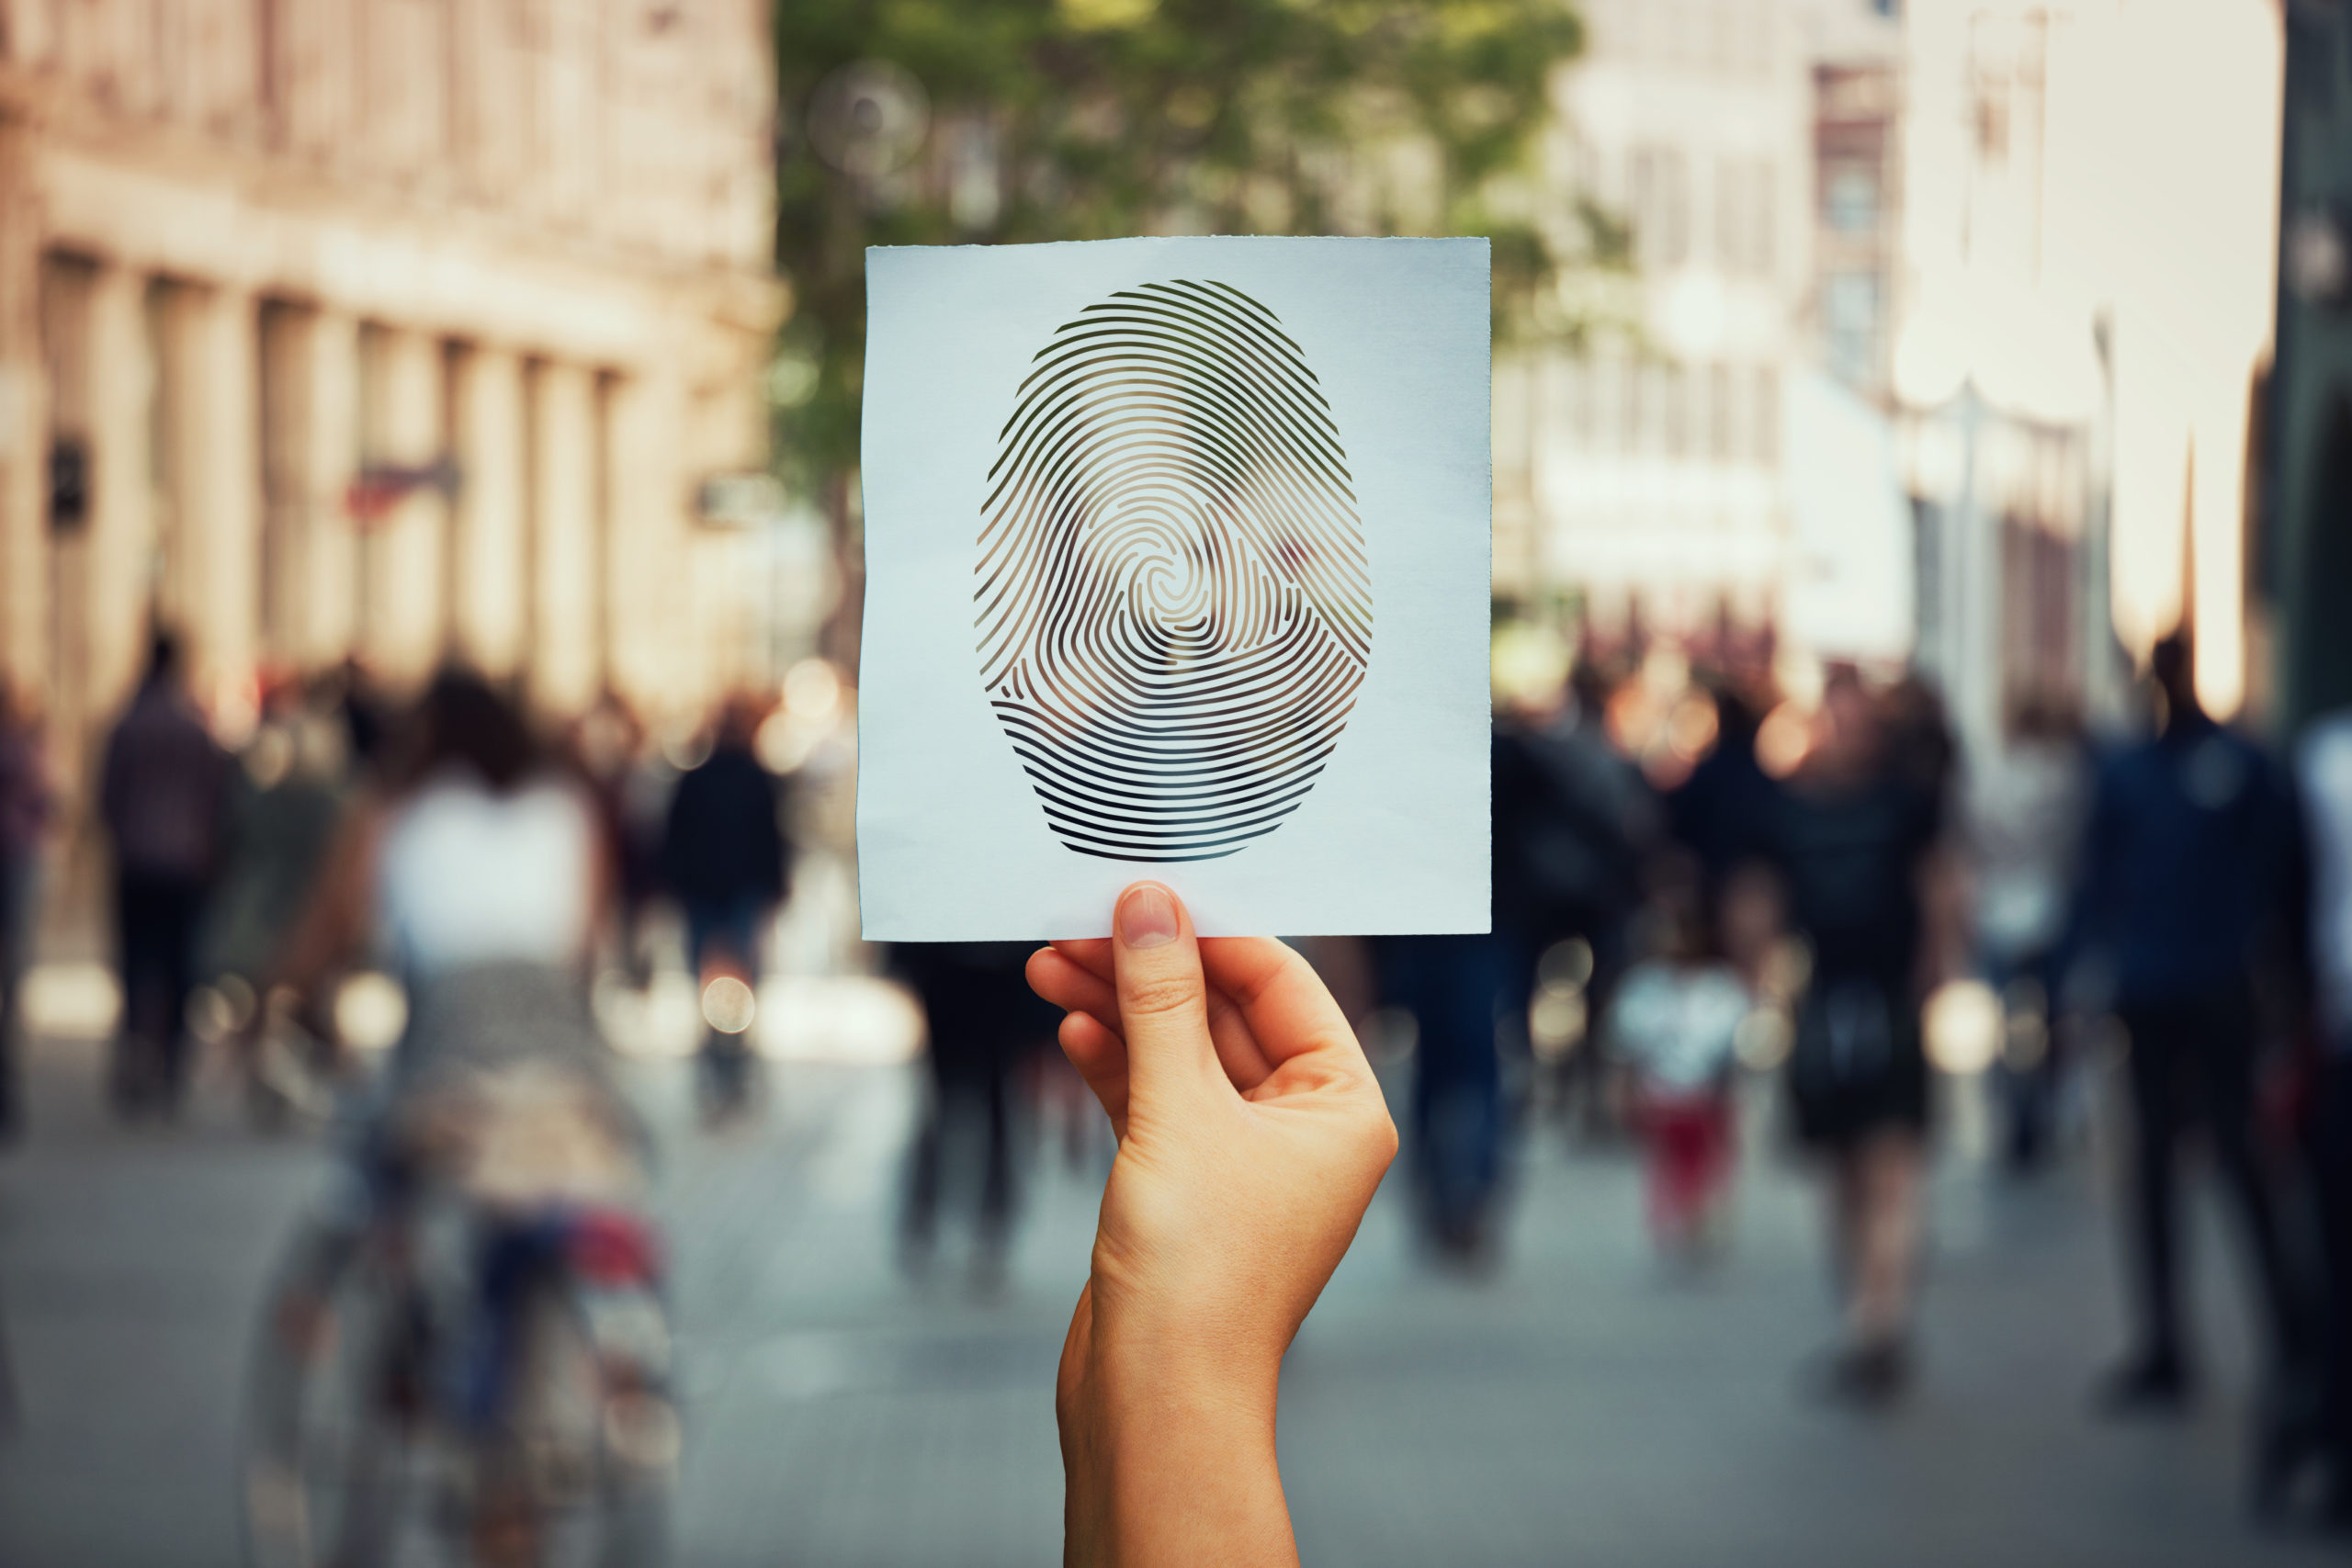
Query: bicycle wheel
[(330, 1452), (579, 1474)]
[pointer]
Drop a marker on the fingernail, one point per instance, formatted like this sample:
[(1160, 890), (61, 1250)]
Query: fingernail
[(1146, 916)]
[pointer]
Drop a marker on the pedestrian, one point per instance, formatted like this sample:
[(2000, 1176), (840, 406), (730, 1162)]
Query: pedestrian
[(1674, 1023), (366, 715), (1716, 812), (1573, 823), (2324, 771), (28, 801), (284, 801), (2026, 803), (983, 1021), (160, 791), (1853, 842), (1455, 986), (606, 745), (725, 858), (2185, 860), (473, 864)]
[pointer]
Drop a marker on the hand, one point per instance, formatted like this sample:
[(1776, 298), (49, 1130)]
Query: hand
[(1251, 1137)]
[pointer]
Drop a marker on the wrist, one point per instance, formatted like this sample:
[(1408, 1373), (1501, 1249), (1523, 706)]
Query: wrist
[(1134, 1390), (1167, 1446)]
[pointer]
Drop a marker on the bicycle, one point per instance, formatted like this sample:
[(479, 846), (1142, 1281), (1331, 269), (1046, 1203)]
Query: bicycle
[(477, 1365)]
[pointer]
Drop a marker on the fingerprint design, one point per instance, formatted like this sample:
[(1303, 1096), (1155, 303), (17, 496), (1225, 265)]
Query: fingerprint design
[(1174, 606)]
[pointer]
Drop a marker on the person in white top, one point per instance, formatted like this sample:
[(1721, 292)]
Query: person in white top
[(2026, 806), (1674, 1023), (479, 873)]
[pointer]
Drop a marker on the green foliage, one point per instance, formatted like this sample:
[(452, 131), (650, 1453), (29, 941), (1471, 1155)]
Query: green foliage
[(1067, 119)]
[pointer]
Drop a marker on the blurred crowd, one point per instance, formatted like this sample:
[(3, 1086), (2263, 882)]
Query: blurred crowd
[(222, 861), (1703, 878)]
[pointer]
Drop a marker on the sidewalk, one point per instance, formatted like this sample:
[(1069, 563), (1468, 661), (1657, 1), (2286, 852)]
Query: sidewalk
[(1585, 1405)]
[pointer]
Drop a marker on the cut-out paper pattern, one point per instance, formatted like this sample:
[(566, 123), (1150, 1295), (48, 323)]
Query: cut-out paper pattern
[(1173, 604), (1175, 566)]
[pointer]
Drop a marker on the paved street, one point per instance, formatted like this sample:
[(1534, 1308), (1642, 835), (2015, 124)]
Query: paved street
[(1584, 1406)]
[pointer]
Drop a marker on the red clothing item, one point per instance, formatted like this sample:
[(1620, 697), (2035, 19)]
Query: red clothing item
[(1691, 1147)]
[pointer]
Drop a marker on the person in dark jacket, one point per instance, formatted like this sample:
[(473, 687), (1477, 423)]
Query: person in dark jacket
[(159, 795), (2185, 869), (724, 858), (1575, 825), (1853, 842)]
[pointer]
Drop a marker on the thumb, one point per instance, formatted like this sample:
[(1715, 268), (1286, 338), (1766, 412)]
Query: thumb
[(1163, 1001)]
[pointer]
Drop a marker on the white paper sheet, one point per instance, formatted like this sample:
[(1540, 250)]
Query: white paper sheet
[(1176, 566)]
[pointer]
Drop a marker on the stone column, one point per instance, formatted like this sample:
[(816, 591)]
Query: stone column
[(211, 370), (564, 671), (492, 532), (646, 494), (123, 544), (323, 448), (405, 621)]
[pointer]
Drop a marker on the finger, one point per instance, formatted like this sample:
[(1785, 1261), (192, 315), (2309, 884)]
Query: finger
[(1071, 988), (1289, 1012), (1163, 1001), (1090, 954), (1075, 988), (1238, 1051), (1245, 1063), (1100, 1058)]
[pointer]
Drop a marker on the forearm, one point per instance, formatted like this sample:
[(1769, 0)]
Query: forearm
[(1165, 1466)]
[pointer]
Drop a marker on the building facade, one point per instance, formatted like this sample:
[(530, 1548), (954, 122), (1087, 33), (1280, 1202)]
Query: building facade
[(401, 330), (1639, 476), (1858, 197), (2084, 313)]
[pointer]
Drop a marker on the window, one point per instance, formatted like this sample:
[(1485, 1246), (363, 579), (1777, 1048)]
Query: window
[(1849, 198), (1731, 205), (1764, 429), (1719, 412), (1581, 388), (1849, 315), (1676, 389), (1744, 216), (1659, 200), (1653, 433)]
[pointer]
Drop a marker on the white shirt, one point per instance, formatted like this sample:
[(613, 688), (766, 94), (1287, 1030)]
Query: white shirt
[(2026, 809), (1678, 1024), (466, 876)]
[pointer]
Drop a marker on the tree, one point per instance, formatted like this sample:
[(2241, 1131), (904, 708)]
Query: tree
[(960, 121)]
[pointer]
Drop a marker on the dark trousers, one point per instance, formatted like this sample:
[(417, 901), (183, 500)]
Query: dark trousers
[(2332, 1166), (2192, 1064), (983, 1021), (1455, 987), (965, 1091), (156, 918), (2030, 1092), (725, 931)]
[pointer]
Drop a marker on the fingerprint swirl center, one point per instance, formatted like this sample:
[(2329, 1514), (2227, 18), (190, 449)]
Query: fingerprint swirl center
[(1173, 604)]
